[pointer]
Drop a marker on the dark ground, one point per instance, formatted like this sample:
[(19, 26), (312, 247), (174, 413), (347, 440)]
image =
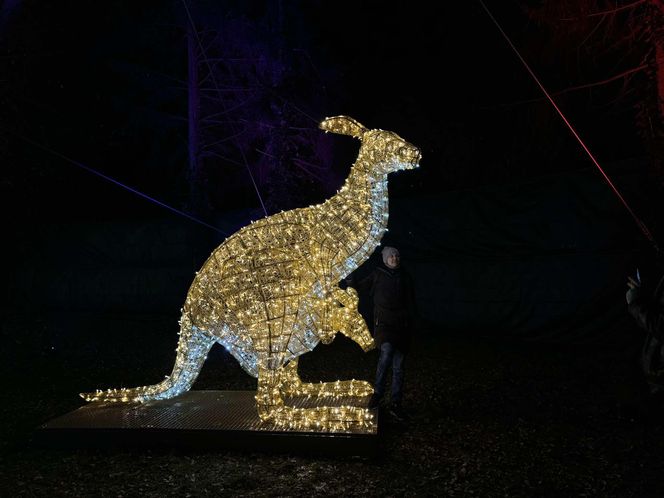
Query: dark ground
[(488, 419)]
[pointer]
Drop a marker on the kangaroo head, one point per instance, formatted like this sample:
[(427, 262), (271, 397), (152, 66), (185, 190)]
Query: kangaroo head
[(381, 151)]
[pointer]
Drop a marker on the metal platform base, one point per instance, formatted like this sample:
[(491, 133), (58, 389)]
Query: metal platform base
[(211, 420)]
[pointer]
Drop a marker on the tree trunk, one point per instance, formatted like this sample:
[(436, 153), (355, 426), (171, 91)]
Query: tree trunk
[(197, 198)]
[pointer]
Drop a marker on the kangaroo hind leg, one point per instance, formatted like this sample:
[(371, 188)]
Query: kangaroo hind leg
[(191, 353), (271, 407)]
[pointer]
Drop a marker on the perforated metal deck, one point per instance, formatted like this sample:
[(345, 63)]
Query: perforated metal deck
[(202, 420)]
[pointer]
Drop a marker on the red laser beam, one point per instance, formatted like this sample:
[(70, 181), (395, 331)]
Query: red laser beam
[(642, 226)]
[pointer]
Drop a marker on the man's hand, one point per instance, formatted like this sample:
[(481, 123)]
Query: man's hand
[(634, 290)]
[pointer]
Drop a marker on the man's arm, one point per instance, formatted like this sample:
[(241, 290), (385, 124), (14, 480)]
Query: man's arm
[(363, 285), (648, 313), (411, 303)]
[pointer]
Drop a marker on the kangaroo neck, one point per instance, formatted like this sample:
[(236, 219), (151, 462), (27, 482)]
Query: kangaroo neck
[(362, 208)]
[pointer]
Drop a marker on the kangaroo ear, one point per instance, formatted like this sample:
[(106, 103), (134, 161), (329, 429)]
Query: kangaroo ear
[(343, 125)]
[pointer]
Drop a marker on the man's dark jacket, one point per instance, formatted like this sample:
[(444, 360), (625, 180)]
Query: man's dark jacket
[(394, 307), (649, 314)]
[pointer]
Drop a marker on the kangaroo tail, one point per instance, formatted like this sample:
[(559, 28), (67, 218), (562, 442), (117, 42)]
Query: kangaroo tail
[(192, 351)]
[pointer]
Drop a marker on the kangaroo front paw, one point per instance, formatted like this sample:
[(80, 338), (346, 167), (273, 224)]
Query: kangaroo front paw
[(368, 346), (354, 298)]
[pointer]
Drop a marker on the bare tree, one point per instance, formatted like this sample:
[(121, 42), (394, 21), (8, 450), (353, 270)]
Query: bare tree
[(253, 139), (623, 43)]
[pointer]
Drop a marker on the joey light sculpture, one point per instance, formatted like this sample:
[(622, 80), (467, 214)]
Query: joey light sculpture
[(269, 292)]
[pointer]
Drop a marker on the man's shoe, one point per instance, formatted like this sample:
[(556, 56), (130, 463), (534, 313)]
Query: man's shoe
[(398, 413), (374, 402), (630, 412)]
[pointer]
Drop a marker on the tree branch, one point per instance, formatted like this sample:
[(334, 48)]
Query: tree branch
[(603, 82), (581, 87), (605, 12)]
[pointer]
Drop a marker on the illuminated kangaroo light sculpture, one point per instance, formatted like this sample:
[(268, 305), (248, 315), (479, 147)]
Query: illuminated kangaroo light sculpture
[(269, 292)]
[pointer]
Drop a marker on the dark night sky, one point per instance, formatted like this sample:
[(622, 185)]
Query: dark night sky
[(105, 86)]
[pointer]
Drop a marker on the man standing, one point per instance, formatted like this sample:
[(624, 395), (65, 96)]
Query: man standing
[(391, 288), (648, 311)]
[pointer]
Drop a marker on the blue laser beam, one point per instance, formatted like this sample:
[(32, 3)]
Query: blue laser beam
[(116, 182)]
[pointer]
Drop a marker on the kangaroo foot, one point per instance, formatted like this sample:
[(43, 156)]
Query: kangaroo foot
[(358, 388), (292, 385), (326, 418)]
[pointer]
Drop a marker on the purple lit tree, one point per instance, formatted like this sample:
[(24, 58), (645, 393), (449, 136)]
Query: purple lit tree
[(254, 105)]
